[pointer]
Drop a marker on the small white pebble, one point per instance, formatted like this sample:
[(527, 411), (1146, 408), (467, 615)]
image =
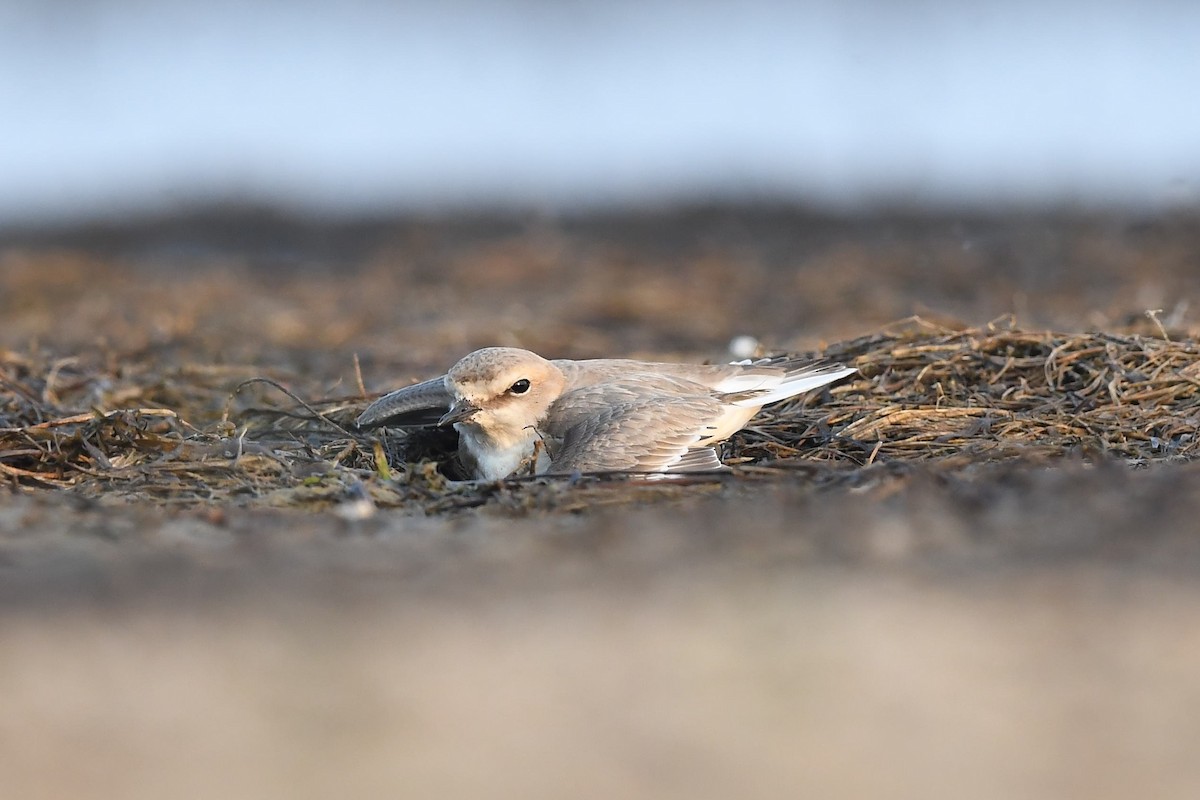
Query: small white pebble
[(743, 346)]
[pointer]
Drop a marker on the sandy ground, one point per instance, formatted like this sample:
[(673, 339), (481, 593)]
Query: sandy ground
[(1011, 632)]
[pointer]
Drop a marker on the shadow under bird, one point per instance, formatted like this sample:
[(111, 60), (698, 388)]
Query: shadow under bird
[(519, 413)]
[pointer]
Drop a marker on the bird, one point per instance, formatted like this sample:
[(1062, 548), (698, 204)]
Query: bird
[(517, 413)]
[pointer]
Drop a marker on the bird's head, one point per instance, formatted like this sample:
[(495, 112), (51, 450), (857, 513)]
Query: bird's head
[(502, 391)]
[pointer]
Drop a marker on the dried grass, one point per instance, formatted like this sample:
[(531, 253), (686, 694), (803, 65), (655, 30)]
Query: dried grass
[(945, 397)]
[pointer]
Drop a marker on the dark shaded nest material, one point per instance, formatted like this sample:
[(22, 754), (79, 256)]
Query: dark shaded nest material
[(944, 398)]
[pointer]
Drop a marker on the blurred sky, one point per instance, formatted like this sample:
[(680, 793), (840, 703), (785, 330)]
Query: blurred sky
[(110, 107)]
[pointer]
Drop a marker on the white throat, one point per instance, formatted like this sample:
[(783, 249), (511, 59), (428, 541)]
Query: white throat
[(494, 461)]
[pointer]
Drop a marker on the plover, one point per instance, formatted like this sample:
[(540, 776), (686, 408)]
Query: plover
[(516, 412)]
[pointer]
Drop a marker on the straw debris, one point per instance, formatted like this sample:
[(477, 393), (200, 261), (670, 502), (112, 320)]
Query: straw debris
[(944, 397)]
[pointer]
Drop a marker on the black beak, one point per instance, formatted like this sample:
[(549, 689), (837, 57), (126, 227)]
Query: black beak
[(460, 412)]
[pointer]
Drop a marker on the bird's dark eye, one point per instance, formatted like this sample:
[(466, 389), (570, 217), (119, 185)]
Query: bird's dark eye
[(520, 387)]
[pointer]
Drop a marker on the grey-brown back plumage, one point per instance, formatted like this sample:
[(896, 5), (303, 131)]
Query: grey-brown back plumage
[(629, 427)]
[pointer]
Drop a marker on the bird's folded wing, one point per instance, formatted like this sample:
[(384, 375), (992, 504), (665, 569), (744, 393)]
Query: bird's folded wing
[(420, 404), (637, 434)]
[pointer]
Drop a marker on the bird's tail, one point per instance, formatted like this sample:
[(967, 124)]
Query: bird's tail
[(800, 377)]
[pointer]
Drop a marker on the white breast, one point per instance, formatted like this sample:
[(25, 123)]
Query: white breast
[(493, 462)]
